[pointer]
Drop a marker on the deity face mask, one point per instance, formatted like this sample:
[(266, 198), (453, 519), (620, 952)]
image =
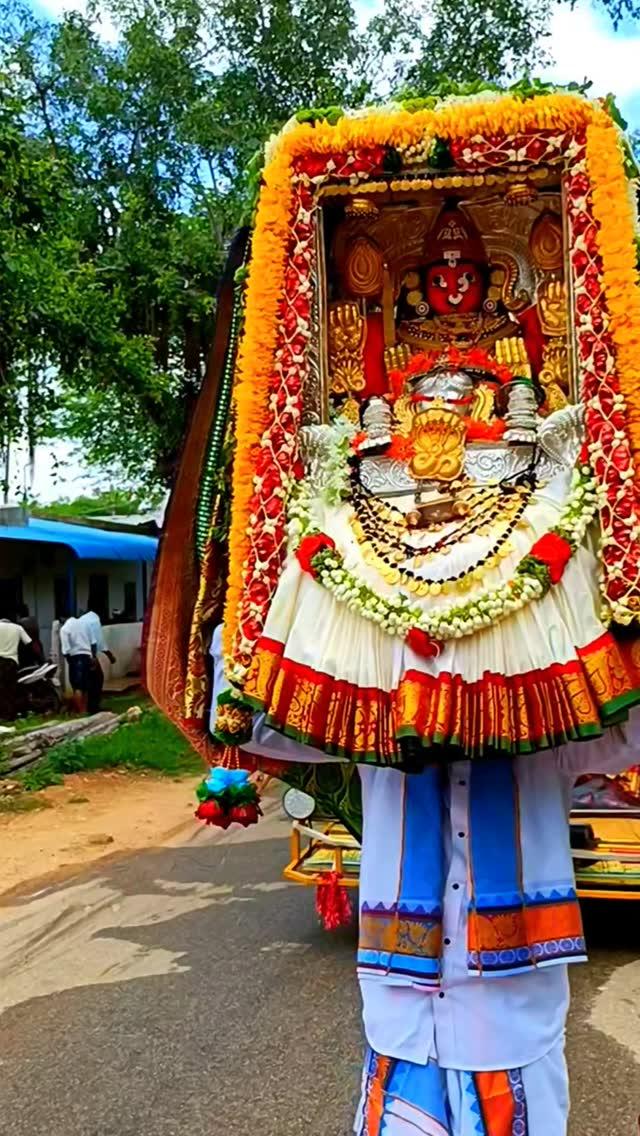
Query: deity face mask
[(454, 290)]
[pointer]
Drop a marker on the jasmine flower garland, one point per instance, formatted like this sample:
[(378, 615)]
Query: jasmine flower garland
[(542, 567)]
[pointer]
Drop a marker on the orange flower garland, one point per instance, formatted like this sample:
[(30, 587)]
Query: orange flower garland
[(255, 368), (452, 120), (612, 210)]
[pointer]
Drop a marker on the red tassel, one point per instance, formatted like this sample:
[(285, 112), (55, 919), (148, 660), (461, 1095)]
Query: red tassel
[(333, 905)]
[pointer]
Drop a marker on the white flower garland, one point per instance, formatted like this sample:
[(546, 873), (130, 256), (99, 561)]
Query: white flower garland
[(397, 615), (329, 483)]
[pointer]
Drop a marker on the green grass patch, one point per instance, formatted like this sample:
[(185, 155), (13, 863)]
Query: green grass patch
[(118, 703), (153, 743), (34, 721)]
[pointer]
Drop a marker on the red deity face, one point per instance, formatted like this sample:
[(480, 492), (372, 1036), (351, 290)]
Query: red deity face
[(459, 289)]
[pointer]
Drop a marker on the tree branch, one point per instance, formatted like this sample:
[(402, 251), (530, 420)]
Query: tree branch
[(42, 99)]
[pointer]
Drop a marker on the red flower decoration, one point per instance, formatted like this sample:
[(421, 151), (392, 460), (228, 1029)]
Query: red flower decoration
[(245, 814), (212, 812), (252, 628), (554, 551), (401, 448), (475, 358), (271, 480), (536, 148), (259, 593), (265, 547), (422, 643), (312, 164), (478, 431), (309, 547)]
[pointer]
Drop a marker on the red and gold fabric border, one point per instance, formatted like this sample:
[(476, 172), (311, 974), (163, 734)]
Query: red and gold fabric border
[(499, 714)]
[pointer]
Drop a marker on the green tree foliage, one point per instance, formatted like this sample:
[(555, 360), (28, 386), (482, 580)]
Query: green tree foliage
[(126, 139), (112, 502)]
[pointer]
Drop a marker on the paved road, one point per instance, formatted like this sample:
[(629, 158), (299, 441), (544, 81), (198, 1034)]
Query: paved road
[(187, 991)]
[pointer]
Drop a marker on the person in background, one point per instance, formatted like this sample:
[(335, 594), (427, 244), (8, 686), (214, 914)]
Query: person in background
[(12, 636), (91, 621), (78, 646), (33, 653)]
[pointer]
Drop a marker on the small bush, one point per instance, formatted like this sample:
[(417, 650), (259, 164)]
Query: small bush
[(150, 743)]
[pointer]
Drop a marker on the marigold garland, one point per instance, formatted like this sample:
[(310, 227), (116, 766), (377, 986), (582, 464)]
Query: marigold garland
[(255, 367), (450, 120), (612, 210)]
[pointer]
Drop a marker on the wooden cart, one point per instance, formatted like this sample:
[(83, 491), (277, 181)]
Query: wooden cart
[(606, 848)]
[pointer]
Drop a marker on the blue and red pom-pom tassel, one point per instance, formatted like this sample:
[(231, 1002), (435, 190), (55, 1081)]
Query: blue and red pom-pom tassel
[(227, 796)]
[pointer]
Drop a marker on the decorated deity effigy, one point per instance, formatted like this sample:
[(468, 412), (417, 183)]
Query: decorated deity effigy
[(436, 426), (408, 520)]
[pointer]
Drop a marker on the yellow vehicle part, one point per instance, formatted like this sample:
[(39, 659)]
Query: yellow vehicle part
[(609, 869), (325, 847)]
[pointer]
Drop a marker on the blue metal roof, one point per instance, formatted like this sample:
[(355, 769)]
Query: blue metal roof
[(87, 543)]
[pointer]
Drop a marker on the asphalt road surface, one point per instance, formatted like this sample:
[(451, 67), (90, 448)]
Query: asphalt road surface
[(189, 991)]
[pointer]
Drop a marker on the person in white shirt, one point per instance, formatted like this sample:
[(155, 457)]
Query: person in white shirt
[(78, 645), (467, 928), (91, 621), (12, 635)]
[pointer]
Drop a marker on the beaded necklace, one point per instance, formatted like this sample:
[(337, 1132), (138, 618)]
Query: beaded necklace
[(386, 551)]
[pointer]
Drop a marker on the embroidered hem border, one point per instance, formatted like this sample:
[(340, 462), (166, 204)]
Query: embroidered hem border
[(507, 715), (503, 941), (407, 944), (401, 940), (494, 1103)]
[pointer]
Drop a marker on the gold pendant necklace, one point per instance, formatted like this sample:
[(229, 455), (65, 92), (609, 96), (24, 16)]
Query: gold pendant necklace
[(380, 548)]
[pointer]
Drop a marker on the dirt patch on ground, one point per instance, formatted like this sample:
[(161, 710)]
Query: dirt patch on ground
[(91, 816)]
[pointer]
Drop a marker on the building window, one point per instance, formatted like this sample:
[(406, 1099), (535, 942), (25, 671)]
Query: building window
[(10, 596), (99, 596), (60, 597), (130, 601)]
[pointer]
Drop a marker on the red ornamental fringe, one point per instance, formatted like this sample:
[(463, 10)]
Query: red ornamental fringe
[(333, 905)]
